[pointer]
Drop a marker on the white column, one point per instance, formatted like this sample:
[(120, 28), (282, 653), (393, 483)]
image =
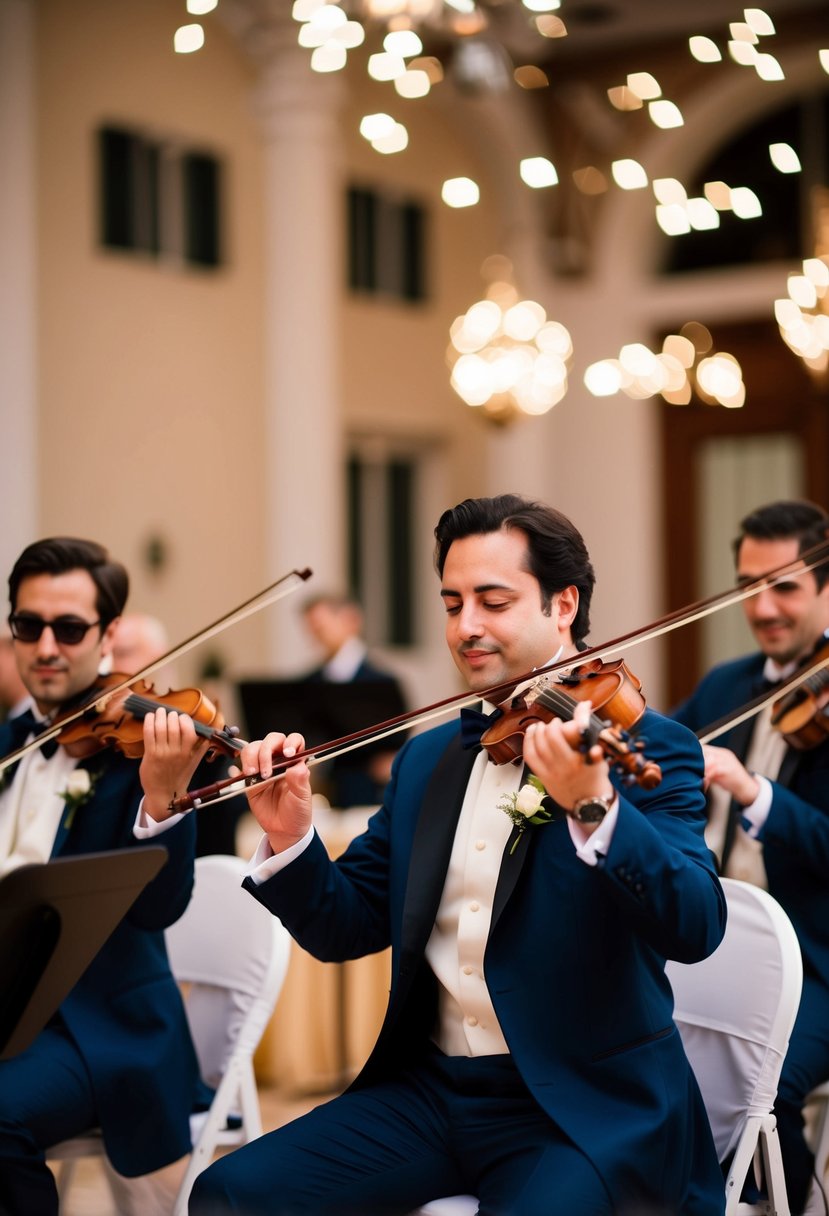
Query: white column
[(305, 221), (18, 384)]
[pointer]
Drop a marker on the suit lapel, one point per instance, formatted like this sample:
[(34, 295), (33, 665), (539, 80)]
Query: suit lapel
[(71, 810), (432, 844)]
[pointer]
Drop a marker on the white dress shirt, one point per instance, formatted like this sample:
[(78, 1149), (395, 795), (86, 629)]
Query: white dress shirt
[(31, 807)]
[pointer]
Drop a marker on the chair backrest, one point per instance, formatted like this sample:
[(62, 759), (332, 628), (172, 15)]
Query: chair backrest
[(231, 956), (735, 1010)]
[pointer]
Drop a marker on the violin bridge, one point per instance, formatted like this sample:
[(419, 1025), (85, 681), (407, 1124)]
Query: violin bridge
[(537, 689)]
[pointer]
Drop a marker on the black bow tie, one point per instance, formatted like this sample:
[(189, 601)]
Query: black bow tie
[(474, 724), (26, 724)]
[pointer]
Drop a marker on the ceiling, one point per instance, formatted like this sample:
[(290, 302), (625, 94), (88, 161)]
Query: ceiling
[(615, 25)]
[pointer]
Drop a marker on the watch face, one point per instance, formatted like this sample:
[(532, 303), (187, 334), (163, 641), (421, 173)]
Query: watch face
[(591, 812)]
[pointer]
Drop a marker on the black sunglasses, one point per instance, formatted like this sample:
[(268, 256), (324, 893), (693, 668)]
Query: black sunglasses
[(68, 630)]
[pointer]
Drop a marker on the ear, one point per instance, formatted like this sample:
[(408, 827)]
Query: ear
[(108, 636), (568, 606)]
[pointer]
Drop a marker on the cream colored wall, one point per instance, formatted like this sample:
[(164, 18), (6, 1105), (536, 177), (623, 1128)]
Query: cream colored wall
[(152, 393), (150, 376), (394, 353)]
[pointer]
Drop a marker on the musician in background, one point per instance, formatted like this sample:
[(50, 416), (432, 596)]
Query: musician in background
[(14, 696), (138, 641), (335, 622), (117, 1054), (769, 802)]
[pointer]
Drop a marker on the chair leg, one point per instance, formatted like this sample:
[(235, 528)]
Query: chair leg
[(64, 1173)]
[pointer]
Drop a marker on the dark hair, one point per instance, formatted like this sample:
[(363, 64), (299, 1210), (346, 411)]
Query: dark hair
[(558, 556), (59, 555), (793, 519), (331, 599)]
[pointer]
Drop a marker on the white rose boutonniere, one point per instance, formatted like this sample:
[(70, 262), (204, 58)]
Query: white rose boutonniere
[(526, 807), (80, 786)]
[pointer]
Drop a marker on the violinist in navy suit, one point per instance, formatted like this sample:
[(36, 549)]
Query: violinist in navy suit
[(117, 1054), (769, 817), (528, 1054)]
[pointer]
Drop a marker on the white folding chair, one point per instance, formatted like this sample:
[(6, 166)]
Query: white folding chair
[(735, 1011), (231, 956)]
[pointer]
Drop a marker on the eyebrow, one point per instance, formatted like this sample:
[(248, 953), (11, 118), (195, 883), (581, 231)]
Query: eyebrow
[(479, 590), (770, 579)]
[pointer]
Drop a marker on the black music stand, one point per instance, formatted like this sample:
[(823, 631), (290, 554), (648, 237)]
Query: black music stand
[(54, 918)]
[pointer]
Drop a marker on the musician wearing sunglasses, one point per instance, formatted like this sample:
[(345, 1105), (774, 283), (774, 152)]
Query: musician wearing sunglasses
[(117, 1054), (769, 801)]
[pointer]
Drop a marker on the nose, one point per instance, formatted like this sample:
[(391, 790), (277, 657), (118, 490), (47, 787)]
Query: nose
[(46, 645), (469, 622), (763, 604)]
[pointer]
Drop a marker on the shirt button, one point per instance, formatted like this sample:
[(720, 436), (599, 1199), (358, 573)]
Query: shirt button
[(467, 970), (474, 906), (480, 844), (472, 1021)]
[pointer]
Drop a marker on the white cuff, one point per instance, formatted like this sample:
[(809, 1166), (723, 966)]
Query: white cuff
[(757, 812), (145, 827), (265, 863)]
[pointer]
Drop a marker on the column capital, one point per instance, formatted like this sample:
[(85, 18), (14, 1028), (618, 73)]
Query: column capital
[(286, 88)]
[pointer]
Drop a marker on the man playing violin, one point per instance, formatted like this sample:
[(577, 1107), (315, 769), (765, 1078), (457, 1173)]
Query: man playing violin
[(769, 802), (117, 1054), (528, 1053)]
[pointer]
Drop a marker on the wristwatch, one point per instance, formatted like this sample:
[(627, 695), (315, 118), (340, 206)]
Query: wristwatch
[(591, 810)]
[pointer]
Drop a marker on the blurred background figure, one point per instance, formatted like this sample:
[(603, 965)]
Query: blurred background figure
[(140, 639), (335, 623), (14, 697)]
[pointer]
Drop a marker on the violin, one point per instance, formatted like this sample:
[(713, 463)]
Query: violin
[(611, 687), (109, 688), (118, 721), (802, 714)]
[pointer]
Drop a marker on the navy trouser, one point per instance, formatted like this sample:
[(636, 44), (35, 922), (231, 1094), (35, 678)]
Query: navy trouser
[(805, 1067), (45, 1096), (448, 1126)]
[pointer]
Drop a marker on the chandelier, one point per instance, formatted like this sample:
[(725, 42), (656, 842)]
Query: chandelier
[(803, 317), (331, 30), (687, 364), (507, 358)]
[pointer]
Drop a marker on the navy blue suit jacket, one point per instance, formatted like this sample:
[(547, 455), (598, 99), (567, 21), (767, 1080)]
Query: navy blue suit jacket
[(796, 834), (125, 1013), (575, 957)]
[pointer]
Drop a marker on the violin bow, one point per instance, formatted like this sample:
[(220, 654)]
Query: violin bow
[(751, 708), (283, 587), (231, 786)]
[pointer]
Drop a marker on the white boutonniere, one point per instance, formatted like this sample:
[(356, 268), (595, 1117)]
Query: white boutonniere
[(526, 807), (80, 786)]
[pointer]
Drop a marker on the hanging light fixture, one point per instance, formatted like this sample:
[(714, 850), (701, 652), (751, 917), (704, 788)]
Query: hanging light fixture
[(507, 358), (803, 317)]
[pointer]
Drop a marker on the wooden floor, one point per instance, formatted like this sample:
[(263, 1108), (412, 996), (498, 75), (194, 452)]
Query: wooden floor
[(91, 1195)]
